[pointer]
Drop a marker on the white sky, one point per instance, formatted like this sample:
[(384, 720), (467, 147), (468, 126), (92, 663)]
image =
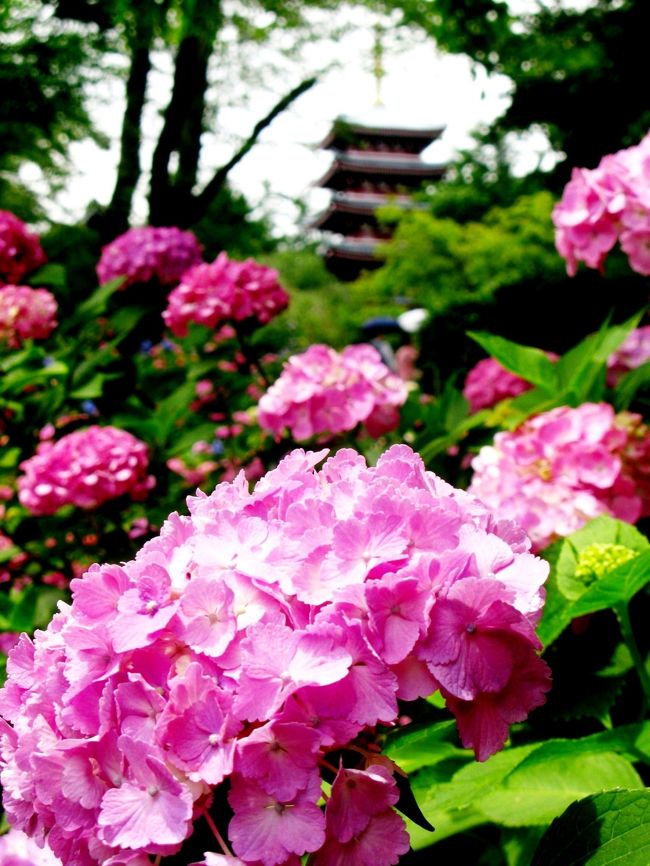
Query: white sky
[(421, 87)]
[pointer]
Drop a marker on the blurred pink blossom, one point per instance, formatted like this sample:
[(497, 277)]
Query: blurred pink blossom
[(634, 351), (147, 253), (225, 291), (20, 249), (487, 383), (85, 468), (322, 391), (602, 205), (19, 849), (26, 314), (564, 467)]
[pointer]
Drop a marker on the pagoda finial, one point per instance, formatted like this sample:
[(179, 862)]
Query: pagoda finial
[(378, 62)]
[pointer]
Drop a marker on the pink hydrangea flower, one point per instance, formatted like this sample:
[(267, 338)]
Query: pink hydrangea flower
[(634, 351), (147, 253), (20, 250), (256, 635), (362, 828), (487, 383), (564, 467), (606, 204), (26, 314), (323, 391), (85, 468), (19, 849), (225, 290)]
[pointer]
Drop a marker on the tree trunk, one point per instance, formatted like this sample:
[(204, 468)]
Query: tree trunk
[(200, 203), (115, 220), (170, 192)]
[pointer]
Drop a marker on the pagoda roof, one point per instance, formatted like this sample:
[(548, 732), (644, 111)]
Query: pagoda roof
[(400, 169), (348, 258), (345, 133), (345, 206), (358, 249)]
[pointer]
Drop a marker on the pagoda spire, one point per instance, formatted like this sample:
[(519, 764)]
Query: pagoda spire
[(378, 68)]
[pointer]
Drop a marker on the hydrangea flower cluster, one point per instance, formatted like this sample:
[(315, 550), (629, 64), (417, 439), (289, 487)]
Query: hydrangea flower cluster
[(602, 205), (253, 637), (225, 290), (488, 382), (564, 467), (322, 391), (19, 849), (85, 468), (142, 254), (634, 351), (26, 314), (20, 250)]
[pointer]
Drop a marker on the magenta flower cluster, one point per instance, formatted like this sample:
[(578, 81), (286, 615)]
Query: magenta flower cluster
[(19, 849), (149, 253), (322, 391), (85, 468), (26, 314), (632, 353), (602, 205), (564, 467), (253, 640), (20, 249), (225, 291), (488, 382)]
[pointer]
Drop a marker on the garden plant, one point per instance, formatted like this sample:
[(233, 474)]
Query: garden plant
[(268, 607)]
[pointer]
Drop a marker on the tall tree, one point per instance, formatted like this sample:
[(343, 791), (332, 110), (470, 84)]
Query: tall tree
[(45, 67), (577, 73), (190, 31)]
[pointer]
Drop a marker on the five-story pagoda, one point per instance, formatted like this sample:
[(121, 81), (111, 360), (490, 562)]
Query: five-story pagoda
[(372, 166)]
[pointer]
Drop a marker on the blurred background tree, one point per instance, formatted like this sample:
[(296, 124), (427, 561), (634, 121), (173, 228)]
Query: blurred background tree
[(45, 67), (482, 248), (575, 71)]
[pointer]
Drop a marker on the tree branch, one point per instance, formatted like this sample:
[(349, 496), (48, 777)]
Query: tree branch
[(202, 201)]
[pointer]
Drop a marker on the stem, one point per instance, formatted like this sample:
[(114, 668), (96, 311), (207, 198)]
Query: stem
[(623, 614), (251, 360), (328, 766), (217, 835)]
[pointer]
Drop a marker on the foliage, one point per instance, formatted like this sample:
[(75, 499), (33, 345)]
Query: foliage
[(444, 263), (564, 64), (45, 69)]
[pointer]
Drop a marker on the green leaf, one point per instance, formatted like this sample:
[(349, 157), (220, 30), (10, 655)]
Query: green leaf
[(424, 746), (94, 387), (24, 610), (581, 372), (47, 600), (564, 589), (95, 305), (18, 379), (51, 274), (6, 553), (519, 843), (528, 784), (530, 363), (617, 586), (183, 442), (542, 787), (441, 443), (607, 829), (171, 409), (628, 385), (9, 458)]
